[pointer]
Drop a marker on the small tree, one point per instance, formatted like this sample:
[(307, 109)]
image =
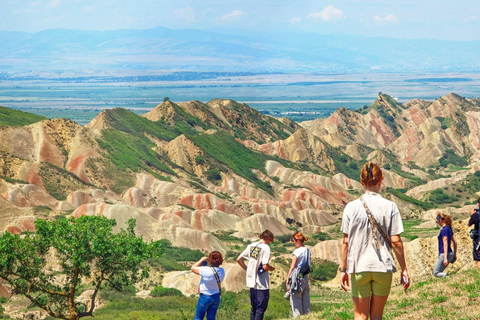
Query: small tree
[(87, 251), (165, 99)]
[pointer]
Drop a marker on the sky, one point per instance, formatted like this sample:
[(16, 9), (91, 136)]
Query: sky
[(406, 19)]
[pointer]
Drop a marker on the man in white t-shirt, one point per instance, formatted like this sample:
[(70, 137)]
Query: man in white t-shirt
[(258, 256)]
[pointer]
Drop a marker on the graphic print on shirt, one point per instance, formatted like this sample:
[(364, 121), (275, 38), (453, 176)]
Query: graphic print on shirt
[(255, 251)]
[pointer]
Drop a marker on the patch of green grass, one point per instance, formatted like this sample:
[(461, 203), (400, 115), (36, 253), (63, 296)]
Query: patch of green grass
[(17, 118), (233, 155), (400, 194), (439, 299)]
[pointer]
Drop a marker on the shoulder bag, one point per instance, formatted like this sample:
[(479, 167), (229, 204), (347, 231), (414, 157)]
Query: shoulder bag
[(218, 281), (375, 225)]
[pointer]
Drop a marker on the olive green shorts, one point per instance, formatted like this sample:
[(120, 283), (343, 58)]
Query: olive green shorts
[(364, 283)]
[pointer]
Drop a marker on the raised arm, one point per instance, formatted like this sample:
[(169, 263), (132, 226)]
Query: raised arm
[(196, 266)]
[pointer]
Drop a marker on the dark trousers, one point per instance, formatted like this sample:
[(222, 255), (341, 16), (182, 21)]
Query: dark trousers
[(259, 302)]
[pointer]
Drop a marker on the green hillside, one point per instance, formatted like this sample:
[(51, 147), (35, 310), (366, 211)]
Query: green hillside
[(17, 118)]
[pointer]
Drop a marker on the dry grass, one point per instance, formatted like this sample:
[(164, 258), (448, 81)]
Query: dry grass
[(456, 297)]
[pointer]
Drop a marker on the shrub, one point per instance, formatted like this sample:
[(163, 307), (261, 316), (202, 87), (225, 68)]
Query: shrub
[(438, 196), (213, 175), (163, 292), (199, 160), (324, 270)]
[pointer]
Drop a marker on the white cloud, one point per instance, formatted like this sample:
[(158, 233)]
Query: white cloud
[(54, 3), (390, 18), (187, 14), (89, 9), (470, 19), (236, 14), (294, 20), (329, 13)]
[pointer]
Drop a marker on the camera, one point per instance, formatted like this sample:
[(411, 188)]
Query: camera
[(204, 263)]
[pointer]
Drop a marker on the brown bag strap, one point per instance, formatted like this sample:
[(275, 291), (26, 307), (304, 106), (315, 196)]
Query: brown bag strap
[(375, 225), (218, 280)]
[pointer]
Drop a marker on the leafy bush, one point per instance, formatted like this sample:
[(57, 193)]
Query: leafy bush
[(438, 196), (173, 255), (450, 157), (165, 292), (213, 175), (324, 270), (199, 160)]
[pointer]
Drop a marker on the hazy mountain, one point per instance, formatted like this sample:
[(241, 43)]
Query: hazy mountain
[(197, 50)]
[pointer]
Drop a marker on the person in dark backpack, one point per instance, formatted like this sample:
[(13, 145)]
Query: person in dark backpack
[(297, 279), (210, 285), (475, 221)]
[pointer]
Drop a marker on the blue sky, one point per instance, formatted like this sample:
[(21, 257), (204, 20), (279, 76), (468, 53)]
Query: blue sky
[(439, 19)]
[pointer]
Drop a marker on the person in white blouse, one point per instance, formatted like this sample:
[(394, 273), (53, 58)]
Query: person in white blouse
[(210, 285), (371, 227)]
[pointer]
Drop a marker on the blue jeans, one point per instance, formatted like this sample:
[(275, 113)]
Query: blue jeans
[(259, 301), (207, 304)]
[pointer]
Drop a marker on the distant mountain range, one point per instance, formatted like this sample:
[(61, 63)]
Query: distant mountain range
[(196, 50)]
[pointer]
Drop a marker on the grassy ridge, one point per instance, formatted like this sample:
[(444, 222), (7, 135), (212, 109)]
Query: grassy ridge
[(225, 149), (17, 118)]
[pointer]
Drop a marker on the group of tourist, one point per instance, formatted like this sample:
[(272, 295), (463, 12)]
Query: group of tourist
[(371, 226)]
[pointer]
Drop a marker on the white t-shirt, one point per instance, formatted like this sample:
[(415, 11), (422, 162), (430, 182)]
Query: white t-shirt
[(303, 255), (208, 283), (257, 253), (362, 252)]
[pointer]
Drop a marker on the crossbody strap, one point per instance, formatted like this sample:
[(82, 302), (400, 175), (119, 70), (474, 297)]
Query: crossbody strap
[(218, 280), (375, 225)]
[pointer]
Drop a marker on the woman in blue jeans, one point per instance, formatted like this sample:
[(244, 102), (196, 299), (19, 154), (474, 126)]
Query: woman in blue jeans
[(445, 253), (210, 285)]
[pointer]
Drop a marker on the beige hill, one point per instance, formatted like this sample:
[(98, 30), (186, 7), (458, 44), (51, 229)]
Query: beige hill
[(251, 227), (301, 146)]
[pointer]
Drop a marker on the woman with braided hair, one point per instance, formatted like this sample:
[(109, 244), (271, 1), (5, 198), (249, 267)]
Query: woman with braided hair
[(371, 227)]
